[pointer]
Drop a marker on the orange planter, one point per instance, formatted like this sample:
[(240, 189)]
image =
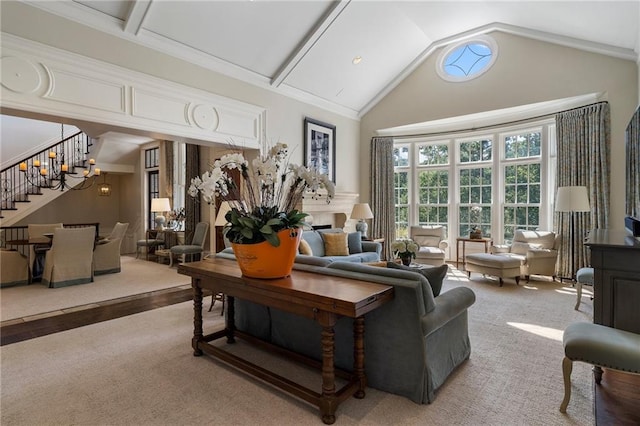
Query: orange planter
[(262, 260)]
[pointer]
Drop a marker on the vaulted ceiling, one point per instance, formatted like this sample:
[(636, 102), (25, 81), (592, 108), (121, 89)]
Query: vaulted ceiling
[(305, 49)]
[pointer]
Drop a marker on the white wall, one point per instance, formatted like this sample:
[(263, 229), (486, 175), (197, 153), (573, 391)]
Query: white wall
[(526, 71), (38, 135)]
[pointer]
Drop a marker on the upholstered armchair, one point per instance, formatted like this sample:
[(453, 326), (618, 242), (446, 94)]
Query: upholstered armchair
[(37, 252), (431, 242), (14, 268), (106, 257), (196, 246), (70, 259), (536, 250)]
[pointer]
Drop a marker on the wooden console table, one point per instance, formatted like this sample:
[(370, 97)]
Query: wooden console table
[(319, 297)]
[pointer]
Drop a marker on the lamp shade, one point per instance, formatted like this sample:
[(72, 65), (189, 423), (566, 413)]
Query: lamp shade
[(572, 199), (160, 205), (222, 212), (361, 211)]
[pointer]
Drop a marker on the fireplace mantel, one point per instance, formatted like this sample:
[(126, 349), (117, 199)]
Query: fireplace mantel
[(336, 213)]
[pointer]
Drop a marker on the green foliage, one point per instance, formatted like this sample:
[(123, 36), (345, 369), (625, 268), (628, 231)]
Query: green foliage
[(261, 224)]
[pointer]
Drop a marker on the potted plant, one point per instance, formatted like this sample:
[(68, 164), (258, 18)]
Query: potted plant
[(405, 249), (263, 204)]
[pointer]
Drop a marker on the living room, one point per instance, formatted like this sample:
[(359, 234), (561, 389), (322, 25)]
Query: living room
[(560, 73)]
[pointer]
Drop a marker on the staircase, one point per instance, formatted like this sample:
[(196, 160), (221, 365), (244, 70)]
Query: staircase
[(25, 187)]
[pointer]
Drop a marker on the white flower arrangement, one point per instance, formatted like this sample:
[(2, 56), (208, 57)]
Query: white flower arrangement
[(476, 210), (405, 248), (266, 199)]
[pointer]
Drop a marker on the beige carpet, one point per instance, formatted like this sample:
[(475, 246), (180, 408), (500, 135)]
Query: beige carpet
[(137, 276), (139, 370)]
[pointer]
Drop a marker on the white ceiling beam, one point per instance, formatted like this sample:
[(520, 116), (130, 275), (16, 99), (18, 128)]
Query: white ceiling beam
[(304, 47), (135, 18)]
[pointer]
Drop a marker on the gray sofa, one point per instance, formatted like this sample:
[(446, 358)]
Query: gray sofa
[(359, 251), (412, 344)]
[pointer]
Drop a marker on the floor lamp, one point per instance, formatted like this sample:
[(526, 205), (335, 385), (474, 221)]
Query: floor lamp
[(572, 200)]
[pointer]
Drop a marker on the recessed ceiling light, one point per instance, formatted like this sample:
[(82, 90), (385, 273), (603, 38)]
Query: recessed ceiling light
[(356, 60)]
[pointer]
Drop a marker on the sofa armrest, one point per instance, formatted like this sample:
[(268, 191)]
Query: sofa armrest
[(443, 245), (372, 246), (541, 253), (449, 305), (500, 248), (226, 254), (303, 259)]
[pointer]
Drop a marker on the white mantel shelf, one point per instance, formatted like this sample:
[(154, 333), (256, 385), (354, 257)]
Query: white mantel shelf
[(331, 213)]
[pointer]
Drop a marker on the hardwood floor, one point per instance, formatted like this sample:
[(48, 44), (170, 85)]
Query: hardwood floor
[(104, 311), (616, 400)]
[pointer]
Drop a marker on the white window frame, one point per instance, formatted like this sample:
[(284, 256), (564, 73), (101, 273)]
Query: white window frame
[(498, 162)]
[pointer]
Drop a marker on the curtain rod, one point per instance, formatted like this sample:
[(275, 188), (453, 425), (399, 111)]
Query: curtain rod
[(492, 126)]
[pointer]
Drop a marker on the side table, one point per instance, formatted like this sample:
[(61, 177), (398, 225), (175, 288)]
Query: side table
[(462, 240)]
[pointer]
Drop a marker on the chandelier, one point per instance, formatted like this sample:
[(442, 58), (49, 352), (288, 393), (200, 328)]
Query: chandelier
[(58, 174)]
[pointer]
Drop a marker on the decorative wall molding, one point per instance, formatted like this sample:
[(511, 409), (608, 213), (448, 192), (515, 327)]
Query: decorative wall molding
[(44, 80)]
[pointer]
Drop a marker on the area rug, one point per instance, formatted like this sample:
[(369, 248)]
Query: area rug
[(137, 276), (139, 370)]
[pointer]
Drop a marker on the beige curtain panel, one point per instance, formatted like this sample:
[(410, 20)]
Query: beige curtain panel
[(583, 139), (382, 192)]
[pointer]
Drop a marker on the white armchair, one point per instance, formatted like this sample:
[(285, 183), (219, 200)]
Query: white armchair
[(106, 257), (70, 259), (431, 242), (536, 250), (36, 251), (14, 268)]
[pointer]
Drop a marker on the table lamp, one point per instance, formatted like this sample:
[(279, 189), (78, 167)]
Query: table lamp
[(362, 211), (160, 205)]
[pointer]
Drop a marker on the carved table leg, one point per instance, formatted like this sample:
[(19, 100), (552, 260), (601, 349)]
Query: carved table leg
[(197, 317), (358, 355), (231, 319), (329, 402)]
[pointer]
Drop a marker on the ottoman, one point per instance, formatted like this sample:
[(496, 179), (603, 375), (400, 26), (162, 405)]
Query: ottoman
[(492, 264)]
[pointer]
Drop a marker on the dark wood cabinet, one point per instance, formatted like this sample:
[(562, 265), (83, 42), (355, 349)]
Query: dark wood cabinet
[(615, 258)]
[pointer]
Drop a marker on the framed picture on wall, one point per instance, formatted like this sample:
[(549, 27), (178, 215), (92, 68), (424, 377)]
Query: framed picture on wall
[(320, 147)]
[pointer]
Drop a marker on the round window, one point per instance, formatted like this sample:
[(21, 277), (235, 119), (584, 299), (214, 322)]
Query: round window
[(468, 59)]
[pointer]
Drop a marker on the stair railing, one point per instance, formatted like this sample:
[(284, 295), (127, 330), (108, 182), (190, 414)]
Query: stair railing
[(26, 177)]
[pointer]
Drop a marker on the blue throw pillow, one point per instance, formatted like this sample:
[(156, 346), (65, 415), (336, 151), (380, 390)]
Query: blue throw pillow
[(434, 274), (354, 240)]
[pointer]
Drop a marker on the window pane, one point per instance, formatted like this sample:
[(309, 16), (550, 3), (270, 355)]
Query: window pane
[(402, 221), (474, 151), (467, 59), (151, 158), (434, 197), (401, 156), (522, 145), (433, 155)]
